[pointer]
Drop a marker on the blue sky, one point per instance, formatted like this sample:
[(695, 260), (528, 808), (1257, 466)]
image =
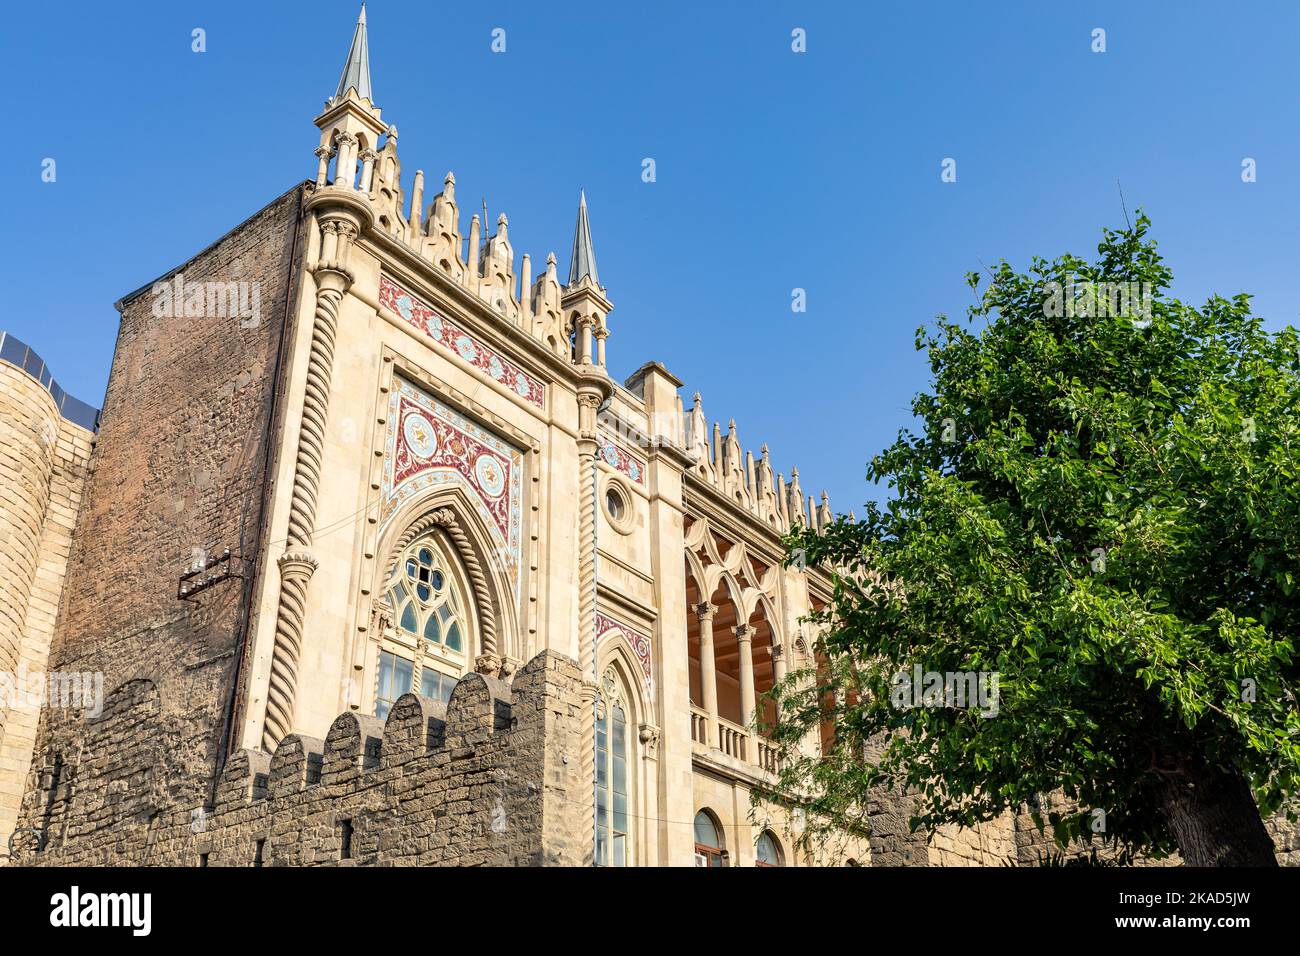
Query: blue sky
[(775, 170)]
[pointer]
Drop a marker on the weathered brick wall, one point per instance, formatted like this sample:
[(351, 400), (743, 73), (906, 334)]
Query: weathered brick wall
[(490, 778), (43, 463), (179, 466)]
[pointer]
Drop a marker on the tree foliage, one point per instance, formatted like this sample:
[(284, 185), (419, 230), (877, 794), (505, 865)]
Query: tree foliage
[(1103, 511)]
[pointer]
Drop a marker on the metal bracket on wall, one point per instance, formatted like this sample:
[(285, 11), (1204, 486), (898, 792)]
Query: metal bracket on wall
[(206, 574)]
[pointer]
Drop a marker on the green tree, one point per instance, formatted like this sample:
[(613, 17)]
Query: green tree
[(1104, 511)]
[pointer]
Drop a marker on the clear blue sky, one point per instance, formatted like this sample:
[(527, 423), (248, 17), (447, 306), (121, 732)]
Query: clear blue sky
[(775, 170)]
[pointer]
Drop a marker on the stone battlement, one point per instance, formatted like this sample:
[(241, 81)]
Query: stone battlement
[(489, 778)]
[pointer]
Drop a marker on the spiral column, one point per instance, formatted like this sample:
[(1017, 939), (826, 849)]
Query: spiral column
[(590, 395), (297, 563)]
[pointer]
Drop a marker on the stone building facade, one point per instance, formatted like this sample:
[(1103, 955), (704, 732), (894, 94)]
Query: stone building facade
[(390, 461), (379, 564)]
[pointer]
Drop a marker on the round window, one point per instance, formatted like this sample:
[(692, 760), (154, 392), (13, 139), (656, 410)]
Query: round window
[(615, 505)]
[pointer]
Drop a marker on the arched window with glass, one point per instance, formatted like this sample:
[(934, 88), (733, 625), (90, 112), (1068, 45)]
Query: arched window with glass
[(425, 651), (613, 776), (709, 850), (767, 851)]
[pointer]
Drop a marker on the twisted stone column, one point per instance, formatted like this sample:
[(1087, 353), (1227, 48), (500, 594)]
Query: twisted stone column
[(588, 402), (297, 564)]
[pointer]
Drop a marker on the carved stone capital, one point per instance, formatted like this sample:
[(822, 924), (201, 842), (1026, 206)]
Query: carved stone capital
[(297, 562), (649, 736), (488, 664), (344, 228), (744, 632), (704, 611), (332, 276)]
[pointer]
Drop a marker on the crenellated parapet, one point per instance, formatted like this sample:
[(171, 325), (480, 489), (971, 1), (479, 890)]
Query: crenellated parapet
[(490, 777)]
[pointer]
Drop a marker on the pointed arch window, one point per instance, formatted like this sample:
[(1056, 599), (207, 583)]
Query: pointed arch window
[(425, 652), (613, 777), (425, 598)]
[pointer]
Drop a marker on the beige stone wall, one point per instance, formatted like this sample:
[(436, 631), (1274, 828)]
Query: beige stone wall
[(43, 460), (27, 453)]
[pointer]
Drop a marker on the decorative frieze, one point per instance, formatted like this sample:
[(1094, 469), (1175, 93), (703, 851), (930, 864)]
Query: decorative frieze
[(455, 339), (429, 444), (640, 643)]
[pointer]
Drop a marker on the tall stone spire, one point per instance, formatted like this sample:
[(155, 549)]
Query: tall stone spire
[(356, 71), (583, 262)]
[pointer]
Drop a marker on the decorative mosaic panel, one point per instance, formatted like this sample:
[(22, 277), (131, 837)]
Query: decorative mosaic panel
[(618, 457), (451, 336), (429, 444), (640, 642)]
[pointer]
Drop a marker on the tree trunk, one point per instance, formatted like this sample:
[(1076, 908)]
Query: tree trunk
[(1213, 816)]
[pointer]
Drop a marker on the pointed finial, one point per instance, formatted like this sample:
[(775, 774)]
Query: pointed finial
[(583, 262), (763, 450), (826, 499), (356, 70)]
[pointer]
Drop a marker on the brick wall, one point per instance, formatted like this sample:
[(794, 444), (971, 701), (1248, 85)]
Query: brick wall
[(491, 777), (179, 466)]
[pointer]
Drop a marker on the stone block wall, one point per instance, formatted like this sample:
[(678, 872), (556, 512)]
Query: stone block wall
[(43, 464), (492, 777)]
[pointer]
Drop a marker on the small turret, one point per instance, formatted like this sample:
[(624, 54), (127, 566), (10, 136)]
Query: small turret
[(584, 301), (350, 124)]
